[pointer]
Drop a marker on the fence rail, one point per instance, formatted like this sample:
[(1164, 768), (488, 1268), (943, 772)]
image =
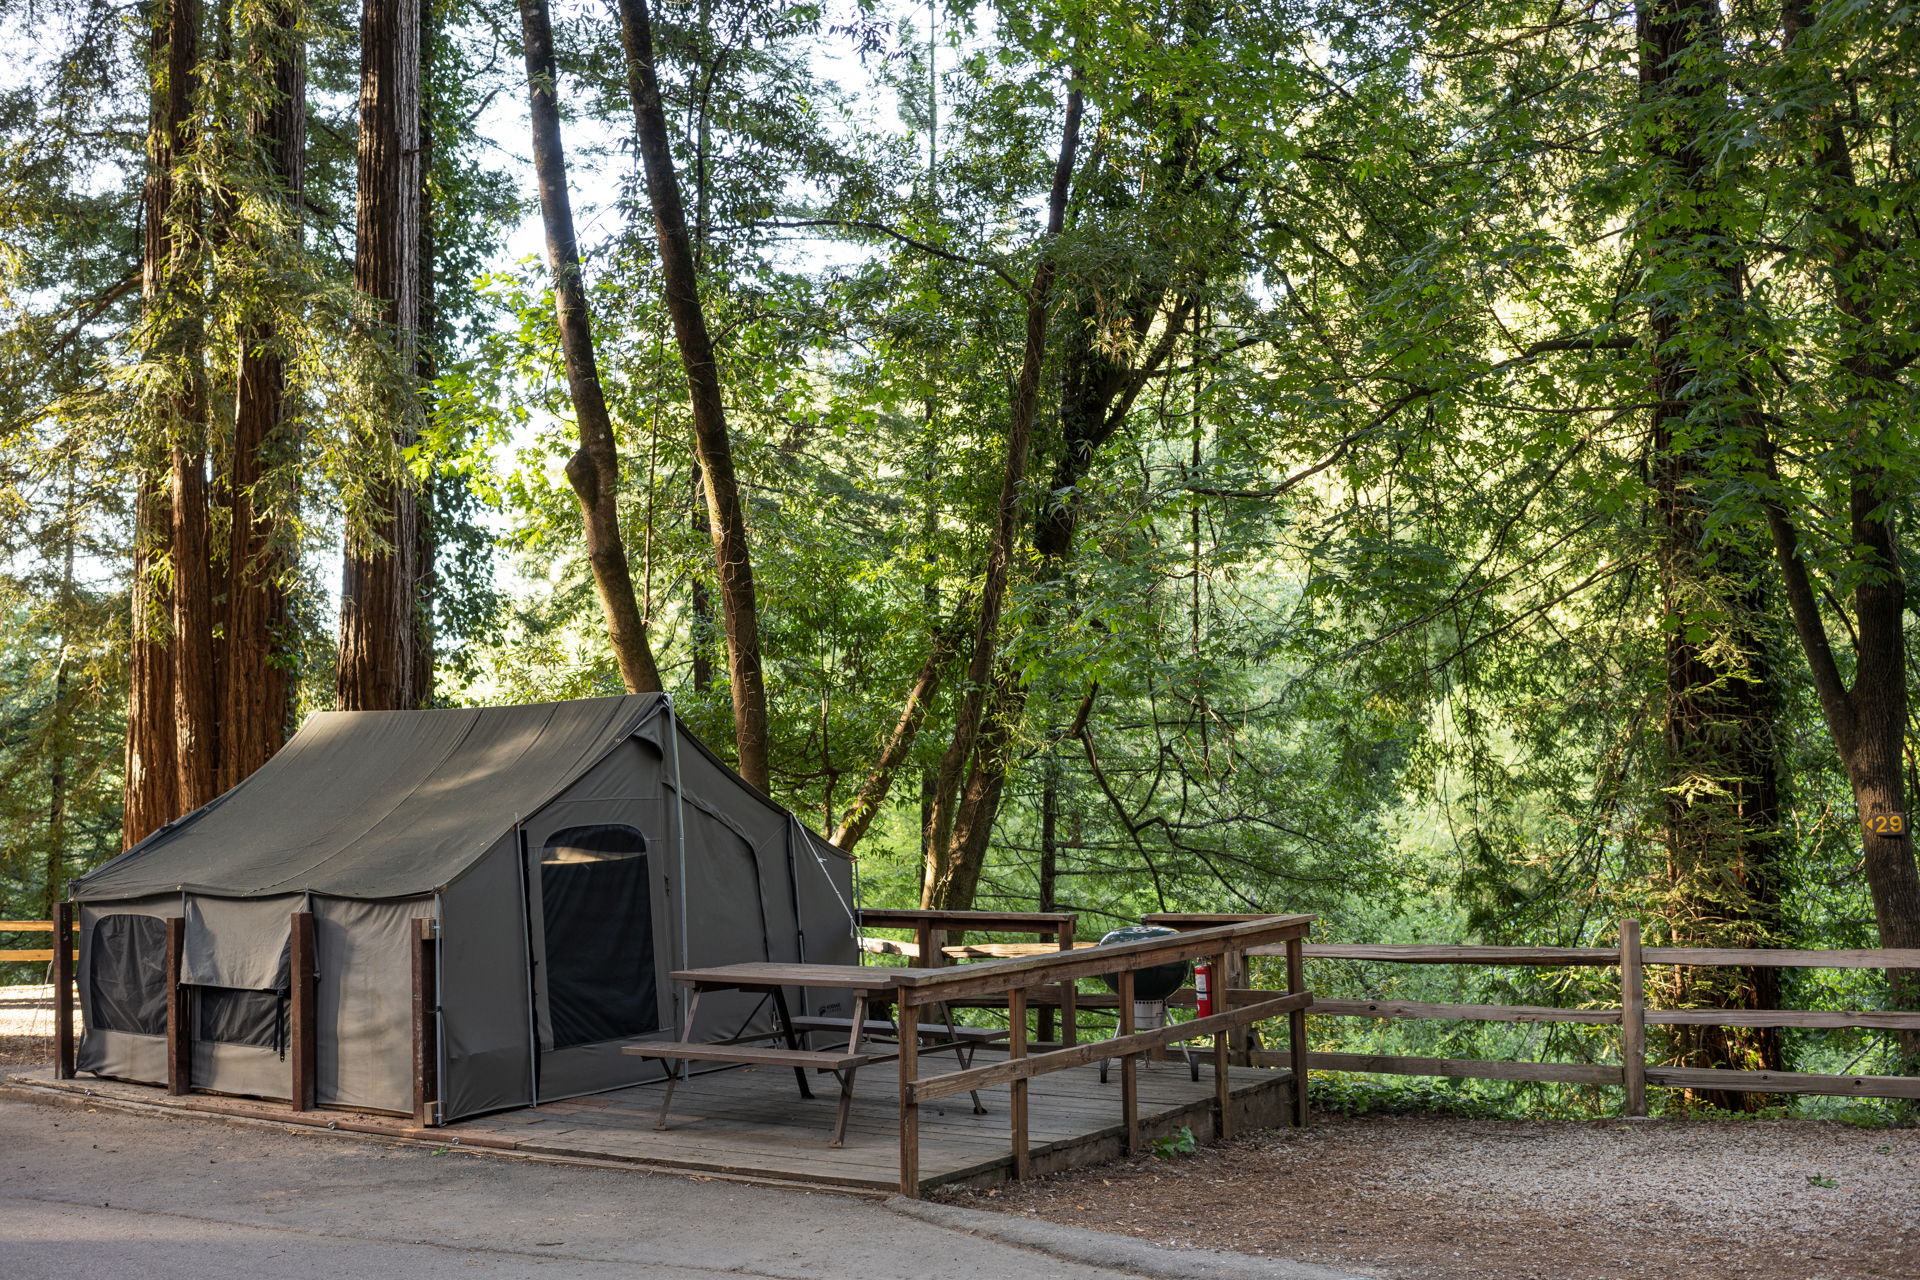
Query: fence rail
[(1632, 1016), (1017, 980), (27, 926)]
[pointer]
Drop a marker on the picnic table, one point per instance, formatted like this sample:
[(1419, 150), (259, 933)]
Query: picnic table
[(870, 986)]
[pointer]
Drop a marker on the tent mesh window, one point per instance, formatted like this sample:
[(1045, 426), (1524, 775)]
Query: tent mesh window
[(129, 965), (599, 932), (236, 1015)]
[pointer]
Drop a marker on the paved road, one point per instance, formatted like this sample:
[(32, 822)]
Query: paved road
[(109, 1195)]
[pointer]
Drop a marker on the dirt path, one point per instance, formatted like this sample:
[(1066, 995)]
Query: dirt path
[(1435, 1199)]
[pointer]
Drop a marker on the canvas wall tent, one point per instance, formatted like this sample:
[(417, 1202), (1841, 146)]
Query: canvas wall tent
[(572, 854)]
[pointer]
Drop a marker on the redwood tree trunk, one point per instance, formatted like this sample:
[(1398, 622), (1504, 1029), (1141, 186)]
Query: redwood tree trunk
[(257, 694), (594, 469), (713, 448), (379, 627), (153, 760)]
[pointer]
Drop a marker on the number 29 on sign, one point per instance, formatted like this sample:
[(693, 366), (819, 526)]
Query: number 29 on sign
[(1886, 824)]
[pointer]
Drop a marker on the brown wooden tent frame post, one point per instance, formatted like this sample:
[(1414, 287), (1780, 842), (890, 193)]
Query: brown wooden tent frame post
[(63, 967), (179, 1034), (301, 1014), (426, 1023)]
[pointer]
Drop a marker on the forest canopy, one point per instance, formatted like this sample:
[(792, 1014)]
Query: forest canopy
[(1446, 468)]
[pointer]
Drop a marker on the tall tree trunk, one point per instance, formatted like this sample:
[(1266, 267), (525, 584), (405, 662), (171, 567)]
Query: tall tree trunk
[(379, 629), (60, 736), (153, 758), (952, 871), (151, 787), (1867, 719), (1722, 784), (196, 690), (594, 469), (426, 364), (873, 792), (713, 447), (257, 693)]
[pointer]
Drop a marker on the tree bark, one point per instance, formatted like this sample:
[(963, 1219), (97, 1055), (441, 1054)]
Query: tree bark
[(713, 447), (873, 792), (426, 367), (1722, 786), (594, 469), (153, 759), (948, 881), (1868, 719), (256, 705), (379, 629)]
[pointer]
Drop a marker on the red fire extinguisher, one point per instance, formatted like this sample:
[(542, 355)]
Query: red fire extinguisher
[(1203, 990)]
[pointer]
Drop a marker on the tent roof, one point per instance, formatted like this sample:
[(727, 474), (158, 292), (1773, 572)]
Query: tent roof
[(377, 804)]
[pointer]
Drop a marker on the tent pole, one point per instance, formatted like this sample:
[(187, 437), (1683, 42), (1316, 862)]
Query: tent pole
[(680, 839), (799, 925)]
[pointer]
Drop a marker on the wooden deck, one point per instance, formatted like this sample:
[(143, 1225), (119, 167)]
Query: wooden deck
[(750, 1122)]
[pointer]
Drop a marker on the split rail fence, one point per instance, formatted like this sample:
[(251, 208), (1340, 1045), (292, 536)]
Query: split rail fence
[(1635, 1073)]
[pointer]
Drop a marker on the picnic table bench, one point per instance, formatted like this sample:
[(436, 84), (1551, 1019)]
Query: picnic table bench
[(869, 986)]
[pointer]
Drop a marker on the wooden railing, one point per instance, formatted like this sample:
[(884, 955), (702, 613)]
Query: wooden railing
[(1018, 981), (1631, 1015), (41, 956)]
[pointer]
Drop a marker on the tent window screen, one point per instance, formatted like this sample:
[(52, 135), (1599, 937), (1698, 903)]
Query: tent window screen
[(129, 963), (599, 923), (232, 1015)]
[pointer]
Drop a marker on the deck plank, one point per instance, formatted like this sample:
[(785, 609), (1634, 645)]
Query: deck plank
[(750, 1122)]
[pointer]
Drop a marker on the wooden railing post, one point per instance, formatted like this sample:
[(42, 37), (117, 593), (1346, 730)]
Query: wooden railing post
[(301, 1014), (1222, 965), (1297, 1027), (1633, 1019), (179, 1034), (426, 1025), (909, 1017), (1129, 1068), (1069, 1020), (1016, 1049), (63, 945)]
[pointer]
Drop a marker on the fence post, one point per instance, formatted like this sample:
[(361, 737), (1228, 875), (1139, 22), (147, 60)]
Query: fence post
[(907, 1014), (63, 943), (1222, 964), (1129, 1067), (1016, 1050), (1633, 1019), (1297, 1027), (1069, 1013), (301, 1014), (179, 1035)]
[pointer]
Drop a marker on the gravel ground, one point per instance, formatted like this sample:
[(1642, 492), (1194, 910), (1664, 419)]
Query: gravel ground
[(26, 1026), (1441, 1199)]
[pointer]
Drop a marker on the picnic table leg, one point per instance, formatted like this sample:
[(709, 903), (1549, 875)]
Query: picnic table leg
[(674, 1067), (793, 1038), (960, 1053), (846, 1104), (858, 1031)]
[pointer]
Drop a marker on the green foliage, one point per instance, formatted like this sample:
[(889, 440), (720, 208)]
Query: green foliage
[(1174, 1144)]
